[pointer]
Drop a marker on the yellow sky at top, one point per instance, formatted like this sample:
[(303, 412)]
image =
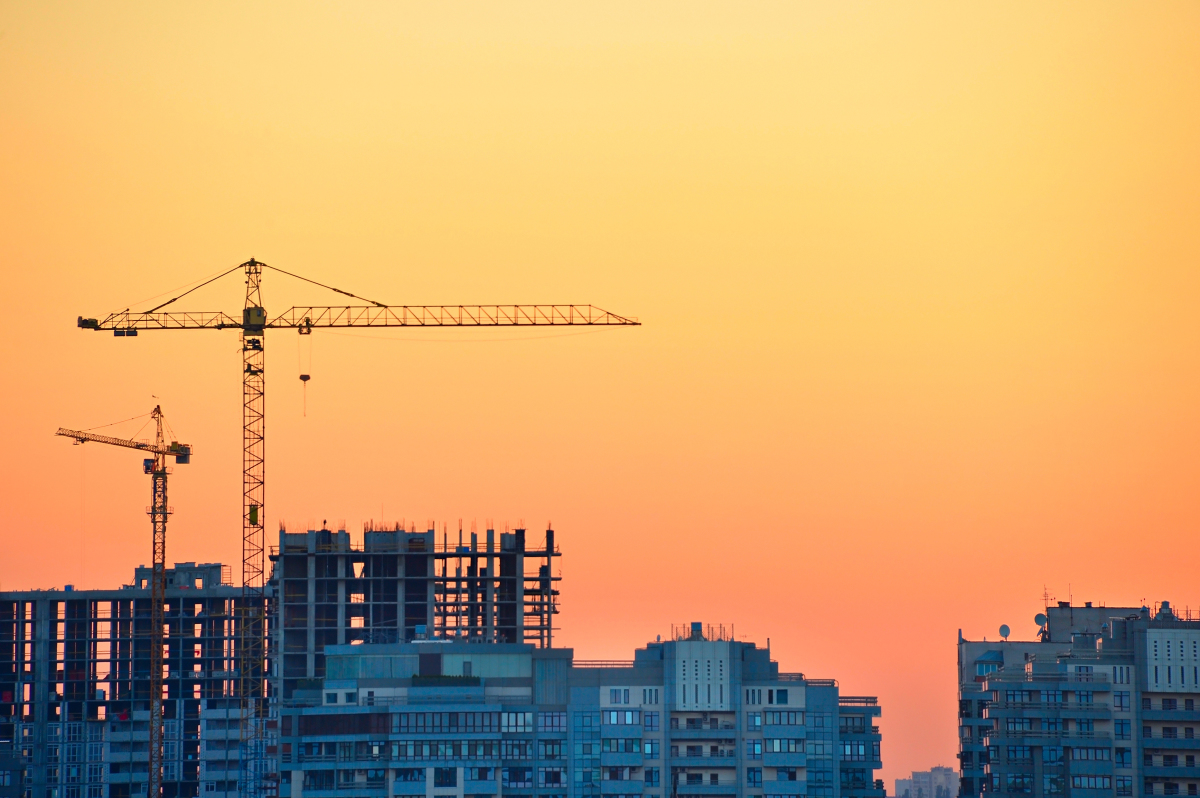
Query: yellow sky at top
[(918, 288)]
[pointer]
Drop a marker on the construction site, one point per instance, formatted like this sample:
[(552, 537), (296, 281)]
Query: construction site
[(110, 693)]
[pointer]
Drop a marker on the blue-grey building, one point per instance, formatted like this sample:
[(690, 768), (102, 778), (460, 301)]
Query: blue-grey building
[(1104, 704), (429, 687)]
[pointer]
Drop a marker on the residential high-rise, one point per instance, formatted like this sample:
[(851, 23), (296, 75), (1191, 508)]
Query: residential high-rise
[(698, 714), (74, 667), (418, 666), (1105, 704)]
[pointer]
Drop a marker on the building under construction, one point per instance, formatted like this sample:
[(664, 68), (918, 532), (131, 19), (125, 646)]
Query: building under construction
[(74, 685), (398, 586)]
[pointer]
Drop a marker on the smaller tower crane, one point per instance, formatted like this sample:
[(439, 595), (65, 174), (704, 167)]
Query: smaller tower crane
[(156, 467)]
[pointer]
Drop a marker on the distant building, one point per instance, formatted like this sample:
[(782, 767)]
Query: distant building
[(938, 782), (1104, 704)]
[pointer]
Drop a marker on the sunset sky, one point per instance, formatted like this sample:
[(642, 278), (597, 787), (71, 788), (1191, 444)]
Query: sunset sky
[(918, 282)]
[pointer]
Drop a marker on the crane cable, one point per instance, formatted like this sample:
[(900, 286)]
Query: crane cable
[(322, 285), (190, 290), (115, 423)]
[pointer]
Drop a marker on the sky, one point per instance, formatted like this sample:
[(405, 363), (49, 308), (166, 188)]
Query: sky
[(917, 282)]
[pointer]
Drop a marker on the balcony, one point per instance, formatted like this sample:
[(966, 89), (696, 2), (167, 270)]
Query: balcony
[(723, 787), (1047, 706), (703, 734), (701, 762), (1046, 734)]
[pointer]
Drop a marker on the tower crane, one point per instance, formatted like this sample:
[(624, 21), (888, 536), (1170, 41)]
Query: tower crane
[(253, 324), (156, 467)]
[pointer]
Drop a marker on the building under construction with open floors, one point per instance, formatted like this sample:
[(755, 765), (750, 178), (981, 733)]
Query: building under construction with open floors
[(397, 586), (74, 700)]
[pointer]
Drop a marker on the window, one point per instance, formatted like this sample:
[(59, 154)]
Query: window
[(1123, 758), (550, 749), (753, 721), (780, 718), (516, 777), (852, 724), (1145, 703), (650, 695), (1018, 724), (1124, 785), (1121, 701), (1019, 754), (1053, 785), (1122, 729), (1170, 732), (854, 751), (552, 721), (618, 695), (616, 717), (1091, 782), (651, 748), (472, 774), (1170, 760), (1052, 755), (651, 777), (781, 697), (1087, 725), (331, 698), (516, 721), (410, 774), (650, 721), (552, 777), (351, 698), (753, 777), (1018, 782), (1085, 696), (1090, 754), (785, 746), (1170, 704), (613, 745), (754, 749), (618, 773), (1189, 704)]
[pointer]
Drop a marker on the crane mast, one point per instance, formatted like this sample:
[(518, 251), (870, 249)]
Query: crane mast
[(156, 467), (257, 781)]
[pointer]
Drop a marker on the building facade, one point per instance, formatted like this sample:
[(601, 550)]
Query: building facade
[(74, 685), (699, 714), (1104, 705)]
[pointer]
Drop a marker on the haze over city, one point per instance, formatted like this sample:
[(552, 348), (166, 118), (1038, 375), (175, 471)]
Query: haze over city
[(916, 285)]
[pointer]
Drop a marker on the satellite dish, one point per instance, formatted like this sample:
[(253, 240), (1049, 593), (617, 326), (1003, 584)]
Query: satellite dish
[(1039, 619), (1004, 630)]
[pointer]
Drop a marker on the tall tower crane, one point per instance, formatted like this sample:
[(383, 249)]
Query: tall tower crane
[(253, 324), (156, 467)]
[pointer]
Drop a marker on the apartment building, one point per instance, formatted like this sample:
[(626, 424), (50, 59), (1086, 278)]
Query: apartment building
[(1106, 705), (418, 663), (698, 714), (74, 682)]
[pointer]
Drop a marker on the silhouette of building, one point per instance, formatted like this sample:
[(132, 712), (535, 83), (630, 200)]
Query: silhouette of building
[(938, 782)]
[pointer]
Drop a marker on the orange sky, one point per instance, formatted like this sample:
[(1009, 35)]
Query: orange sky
[(918, 282)]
